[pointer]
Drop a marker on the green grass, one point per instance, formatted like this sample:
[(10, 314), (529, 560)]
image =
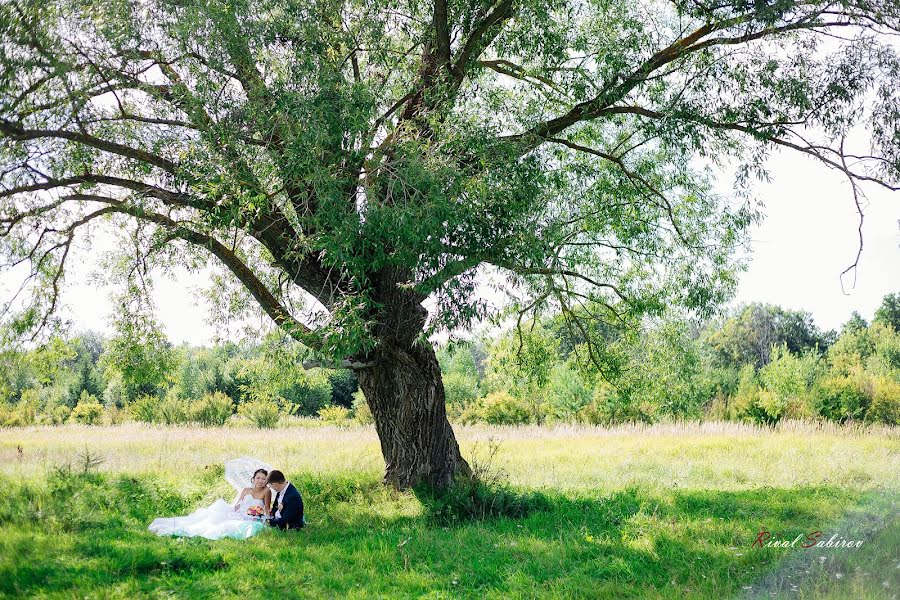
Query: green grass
[(633, 512)]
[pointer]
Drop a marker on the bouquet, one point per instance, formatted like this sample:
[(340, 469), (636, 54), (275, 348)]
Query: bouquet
[(256, 511)]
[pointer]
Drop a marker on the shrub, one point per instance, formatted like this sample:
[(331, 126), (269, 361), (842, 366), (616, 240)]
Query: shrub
[(37, 397), (669, 373), (343, 385), (566, 392), (799, 408), (769, 408), (852, 349), (885, 406), (786, 381), (789, 375), (521, 360), (460, 389), (88, 411), (172, 410), (263, 413), (840, 398), (361, 411), (608, 407), (455, 412), (745, 404), (335, 415), (56, 415), (144, 409), (497, 408), (213, 410), (718, 409), (114, 394), (17, 416), (721, 382), (885, 361), (307, 393), (114, 415)]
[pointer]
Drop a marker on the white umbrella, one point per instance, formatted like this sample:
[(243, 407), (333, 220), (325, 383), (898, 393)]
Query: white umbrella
[(239, 471)]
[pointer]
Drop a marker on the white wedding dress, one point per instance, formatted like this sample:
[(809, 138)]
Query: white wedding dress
[(219, 519)]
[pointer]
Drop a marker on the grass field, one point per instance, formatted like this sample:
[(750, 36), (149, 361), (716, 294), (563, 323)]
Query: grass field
[(667, 511)]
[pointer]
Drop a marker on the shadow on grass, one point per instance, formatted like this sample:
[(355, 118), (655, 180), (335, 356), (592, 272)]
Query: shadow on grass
[(366, 541)]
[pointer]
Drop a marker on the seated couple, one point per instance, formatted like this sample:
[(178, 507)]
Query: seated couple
[(269, 499)]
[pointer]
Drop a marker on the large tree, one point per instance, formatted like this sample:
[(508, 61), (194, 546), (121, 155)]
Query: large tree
[(889, 311), (359, 158), (748, 336)]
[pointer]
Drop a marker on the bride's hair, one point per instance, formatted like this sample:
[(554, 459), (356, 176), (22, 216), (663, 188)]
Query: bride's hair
[(257, 472)]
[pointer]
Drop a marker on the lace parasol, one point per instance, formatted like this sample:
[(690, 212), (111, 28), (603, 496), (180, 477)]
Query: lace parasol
[(239, 471)]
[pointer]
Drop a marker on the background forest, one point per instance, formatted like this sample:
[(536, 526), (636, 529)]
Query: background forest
[(758, 363)]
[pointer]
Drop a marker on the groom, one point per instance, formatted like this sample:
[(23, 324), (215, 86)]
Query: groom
[(287, 506)]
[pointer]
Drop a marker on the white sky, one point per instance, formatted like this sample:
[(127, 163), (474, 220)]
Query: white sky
[(810, 236), (807, 239)]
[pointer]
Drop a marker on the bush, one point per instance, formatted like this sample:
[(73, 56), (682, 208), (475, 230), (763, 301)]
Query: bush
[(335, 415), (746, 402), (213, 410), (497, 408), (172, 411), (769, 408), (885, 406), (38, 397), (144, 409), (667, 373), (721, 383), (114, 415), (566, 392), (460, 389), (789, 375), (343, 385), (840, 398), (608, 407), (361, 411), (17, 416), (799, 408), (58, 415), (88, 411), (309, 392), (717, 409), (786, 380), (455, 412), (265, 414), (114, 394)]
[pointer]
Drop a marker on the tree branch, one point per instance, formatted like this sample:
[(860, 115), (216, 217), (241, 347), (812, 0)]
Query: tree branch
[(756, 130), (621, 87), (632, 176), (257, 288), (481, 37), (16, 132)]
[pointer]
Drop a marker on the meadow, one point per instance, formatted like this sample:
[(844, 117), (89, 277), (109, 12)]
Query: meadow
[(657, 511)]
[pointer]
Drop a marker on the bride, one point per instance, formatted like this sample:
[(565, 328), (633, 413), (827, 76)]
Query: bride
[(220, 519)]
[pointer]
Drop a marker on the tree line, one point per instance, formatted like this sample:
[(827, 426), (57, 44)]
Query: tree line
[(758, 363)]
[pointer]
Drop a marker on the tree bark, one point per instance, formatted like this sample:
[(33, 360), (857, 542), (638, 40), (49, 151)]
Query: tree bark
[(405, 393)]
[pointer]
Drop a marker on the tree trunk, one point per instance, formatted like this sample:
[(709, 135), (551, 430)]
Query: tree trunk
[(405, 393)]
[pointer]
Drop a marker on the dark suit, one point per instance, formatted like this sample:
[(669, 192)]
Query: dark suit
[(292, 513)]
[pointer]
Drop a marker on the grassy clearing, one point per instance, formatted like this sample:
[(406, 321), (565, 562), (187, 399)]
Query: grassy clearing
[(666, 511)]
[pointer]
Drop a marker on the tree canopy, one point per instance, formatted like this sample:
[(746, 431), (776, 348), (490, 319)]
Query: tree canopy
[(329, 153)]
